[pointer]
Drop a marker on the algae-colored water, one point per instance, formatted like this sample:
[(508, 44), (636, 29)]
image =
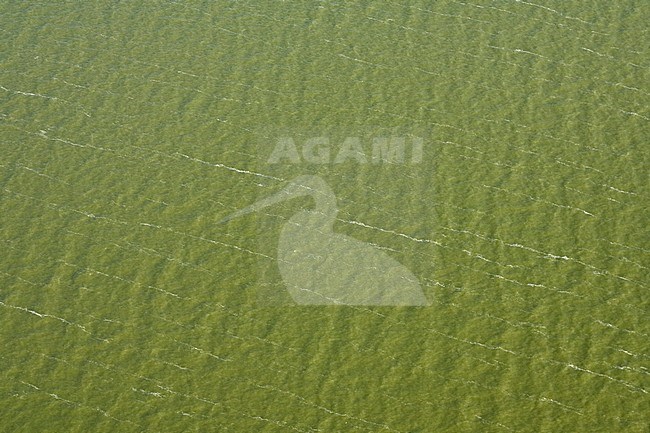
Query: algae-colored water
[(130, 129)]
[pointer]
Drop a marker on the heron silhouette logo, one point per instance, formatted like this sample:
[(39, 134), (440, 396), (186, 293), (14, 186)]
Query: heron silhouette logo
[(321, 267)]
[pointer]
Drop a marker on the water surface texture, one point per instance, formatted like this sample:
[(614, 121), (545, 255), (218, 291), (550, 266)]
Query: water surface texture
[(131, 130)]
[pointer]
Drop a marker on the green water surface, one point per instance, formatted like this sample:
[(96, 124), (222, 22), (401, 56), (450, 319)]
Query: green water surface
[(129, 129)]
